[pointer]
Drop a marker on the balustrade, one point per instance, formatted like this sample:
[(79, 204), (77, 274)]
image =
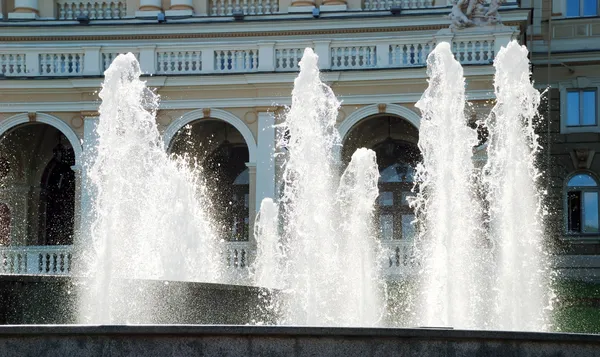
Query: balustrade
[(474, 51), (236, 60), (12, 64), (411, 54), (37, 260), (179, 62), (61, 64), (237, 255), (353, 57), (248, 7), (94, 9), (239, 58), (404, 4), (287, 59), (399, 257)]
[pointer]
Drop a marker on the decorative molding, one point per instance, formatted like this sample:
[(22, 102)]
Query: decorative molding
[(51, 120), (365, 112), (220, 114), (32, 116), (206, 112), (582, 158), (381, 107)]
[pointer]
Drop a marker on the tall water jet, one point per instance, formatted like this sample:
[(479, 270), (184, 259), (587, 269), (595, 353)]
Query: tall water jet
[(330, 259), (446, 209), (151, 216), (515, 203)]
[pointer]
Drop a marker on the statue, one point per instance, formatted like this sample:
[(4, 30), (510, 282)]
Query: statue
[(468, 13)]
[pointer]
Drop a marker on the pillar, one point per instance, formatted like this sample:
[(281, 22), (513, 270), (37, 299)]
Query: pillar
[(149, 8), (181, 8), (77, 221), (251, 198), (25, 10), (90, 143), (265, 164)]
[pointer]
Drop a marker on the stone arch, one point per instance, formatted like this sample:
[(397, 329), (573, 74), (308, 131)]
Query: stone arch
[(219, 114), (370, 110), (64, 128)]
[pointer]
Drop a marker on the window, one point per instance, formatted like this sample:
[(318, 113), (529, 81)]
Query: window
[(581, 8), (582, 204), (581, 107)]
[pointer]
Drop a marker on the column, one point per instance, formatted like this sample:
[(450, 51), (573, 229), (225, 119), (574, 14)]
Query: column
[(266, 56), (90, 142), (77, 221), (25, 10), (252, 210), (323, 50), (265, 164), (180, 8), (149, 8)]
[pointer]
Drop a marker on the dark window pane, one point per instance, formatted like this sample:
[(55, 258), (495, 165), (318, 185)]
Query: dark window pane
[(574, 211), (590, 212), (590, 7), (386, 199), (582, 180), (386, 226), (408, 229), (572, 108), (573, 8), (589, 107)]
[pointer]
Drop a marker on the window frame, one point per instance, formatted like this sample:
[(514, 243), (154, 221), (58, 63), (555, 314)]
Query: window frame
[(580, 92), (561, 8), (582, 189), (579, 85)]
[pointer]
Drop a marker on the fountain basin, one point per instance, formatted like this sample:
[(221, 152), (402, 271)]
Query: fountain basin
[(29, 299), (186, 340)]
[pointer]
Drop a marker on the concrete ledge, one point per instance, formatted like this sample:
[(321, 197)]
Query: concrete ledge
[(185, 340)]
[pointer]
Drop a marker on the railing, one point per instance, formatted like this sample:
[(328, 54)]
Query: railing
[(474, 51), (38, 260), (287, 59), (399, 258), (61, 64), (353, 57), (178, 62), (237, 255), (12, 64), (109, 57), (236, 60), (410, 54), (248, 7), (404, 4), (244, 57), (94, 9)]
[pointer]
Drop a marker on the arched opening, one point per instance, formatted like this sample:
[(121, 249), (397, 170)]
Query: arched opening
[(394, 141), (222, 153), (38, 184)]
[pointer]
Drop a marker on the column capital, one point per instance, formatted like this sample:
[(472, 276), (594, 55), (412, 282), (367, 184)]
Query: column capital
[(251, 166), (76, 168)]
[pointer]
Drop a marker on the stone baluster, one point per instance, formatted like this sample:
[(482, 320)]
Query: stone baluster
[(181, 8), (25, 10), (149, 8)]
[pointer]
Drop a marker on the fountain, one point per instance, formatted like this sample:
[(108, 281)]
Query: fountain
[(472, 277), (152, 217), (329, 254), (316, 243)]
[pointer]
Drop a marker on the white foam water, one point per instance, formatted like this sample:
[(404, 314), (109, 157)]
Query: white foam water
[(151, 216)]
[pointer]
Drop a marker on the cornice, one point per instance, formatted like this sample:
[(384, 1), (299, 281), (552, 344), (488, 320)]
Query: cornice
[(191, 104), (206, 28)]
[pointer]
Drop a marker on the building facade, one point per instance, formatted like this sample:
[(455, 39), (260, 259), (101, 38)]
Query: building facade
[(225, 69)]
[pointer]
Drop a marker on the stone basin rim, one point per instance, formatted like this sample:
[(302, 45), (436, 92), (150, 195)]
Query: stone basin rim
[(292, 331)]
